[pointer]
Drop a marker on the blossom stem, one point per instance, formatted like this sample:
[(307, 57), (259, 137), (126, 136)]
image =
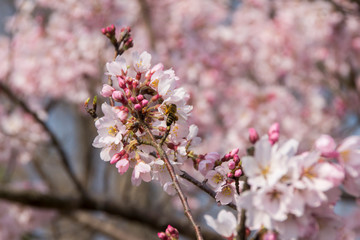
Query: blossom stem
[(170, 168)]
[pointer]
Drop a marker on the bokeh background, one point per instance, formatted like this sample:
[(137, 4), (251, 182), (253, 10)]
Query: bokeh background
[(245, 64)]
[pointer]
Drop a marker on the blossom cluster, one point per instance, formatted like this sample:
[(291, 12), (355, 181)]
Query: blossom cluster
[(126, 132), (285, 193), (293, 195)]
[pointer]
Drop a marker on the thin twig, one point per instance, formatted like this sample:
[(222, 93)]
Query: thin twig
[(171, 171), (203, 187)]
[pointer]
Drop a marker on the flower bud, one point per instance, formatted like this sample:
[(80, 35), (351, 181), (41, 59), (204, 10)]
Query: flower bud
[(144, 102), (121, 82), (133, 100), (269, 236), (274, 137), (118, 96), (233, 152), (116, 158), (155, 98), (326, 145), (172, 232), (127, 92), (137, 107), (140, 97), (253, 135), (238, 173), (163, 236), (230, 175), (231, 165), (107, 90), (274, 128), (236, 159)]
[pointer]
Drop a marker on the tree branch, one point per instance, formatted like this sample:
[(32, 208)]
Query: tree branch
[(69, 204), (55, 142)]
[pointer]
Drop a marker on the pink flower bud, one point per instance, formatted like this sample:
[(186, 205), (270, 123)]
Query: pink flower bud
[(107, 90), (231, 165), (115, 158), (253, 135), (269, 236), (127, 92), (118, 96), (103, 30), (144, 102), (238, 173), (172, 232), (133, 100), (163, 236), (137, 107), (233, 152), (326, 145), (121, 82), (155, 98), (140, 97), (135, 84), (230, 175), (236, 159), (274, 137), (274, 128)]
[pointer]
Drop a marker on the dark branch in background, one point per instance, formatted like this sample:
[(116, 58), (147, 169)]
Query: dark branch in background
[(203, 187), (146, 14), (55, 142), (103, 227), (70, 204)]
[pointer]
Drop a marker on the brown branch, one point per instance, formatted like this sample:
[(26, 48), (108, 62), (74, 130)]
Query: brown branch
[(171, 171), (101, 226), (203, 187), (55, 142), (70, 204)]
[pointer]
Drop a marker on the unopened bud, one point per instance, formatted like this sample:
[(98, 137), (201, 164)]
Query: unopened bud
[(133, 100), (238, 173), (107, 90), (233, 152), (236, 159), (127, 93), (274, 137), (163, 236), (121, 82), (230, 175), (274, 128), (137, 107), (118, 96), (155, 98), (231, 165), (140, 97), (269, 236), (115, 158), (172, 232), (135, 84), (326, 145), (144, 102), (86, 103), (253, 135)]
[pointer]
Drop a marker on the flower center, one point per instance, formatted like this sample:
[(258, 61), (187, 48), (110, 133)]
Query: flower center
[(113, 130)]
